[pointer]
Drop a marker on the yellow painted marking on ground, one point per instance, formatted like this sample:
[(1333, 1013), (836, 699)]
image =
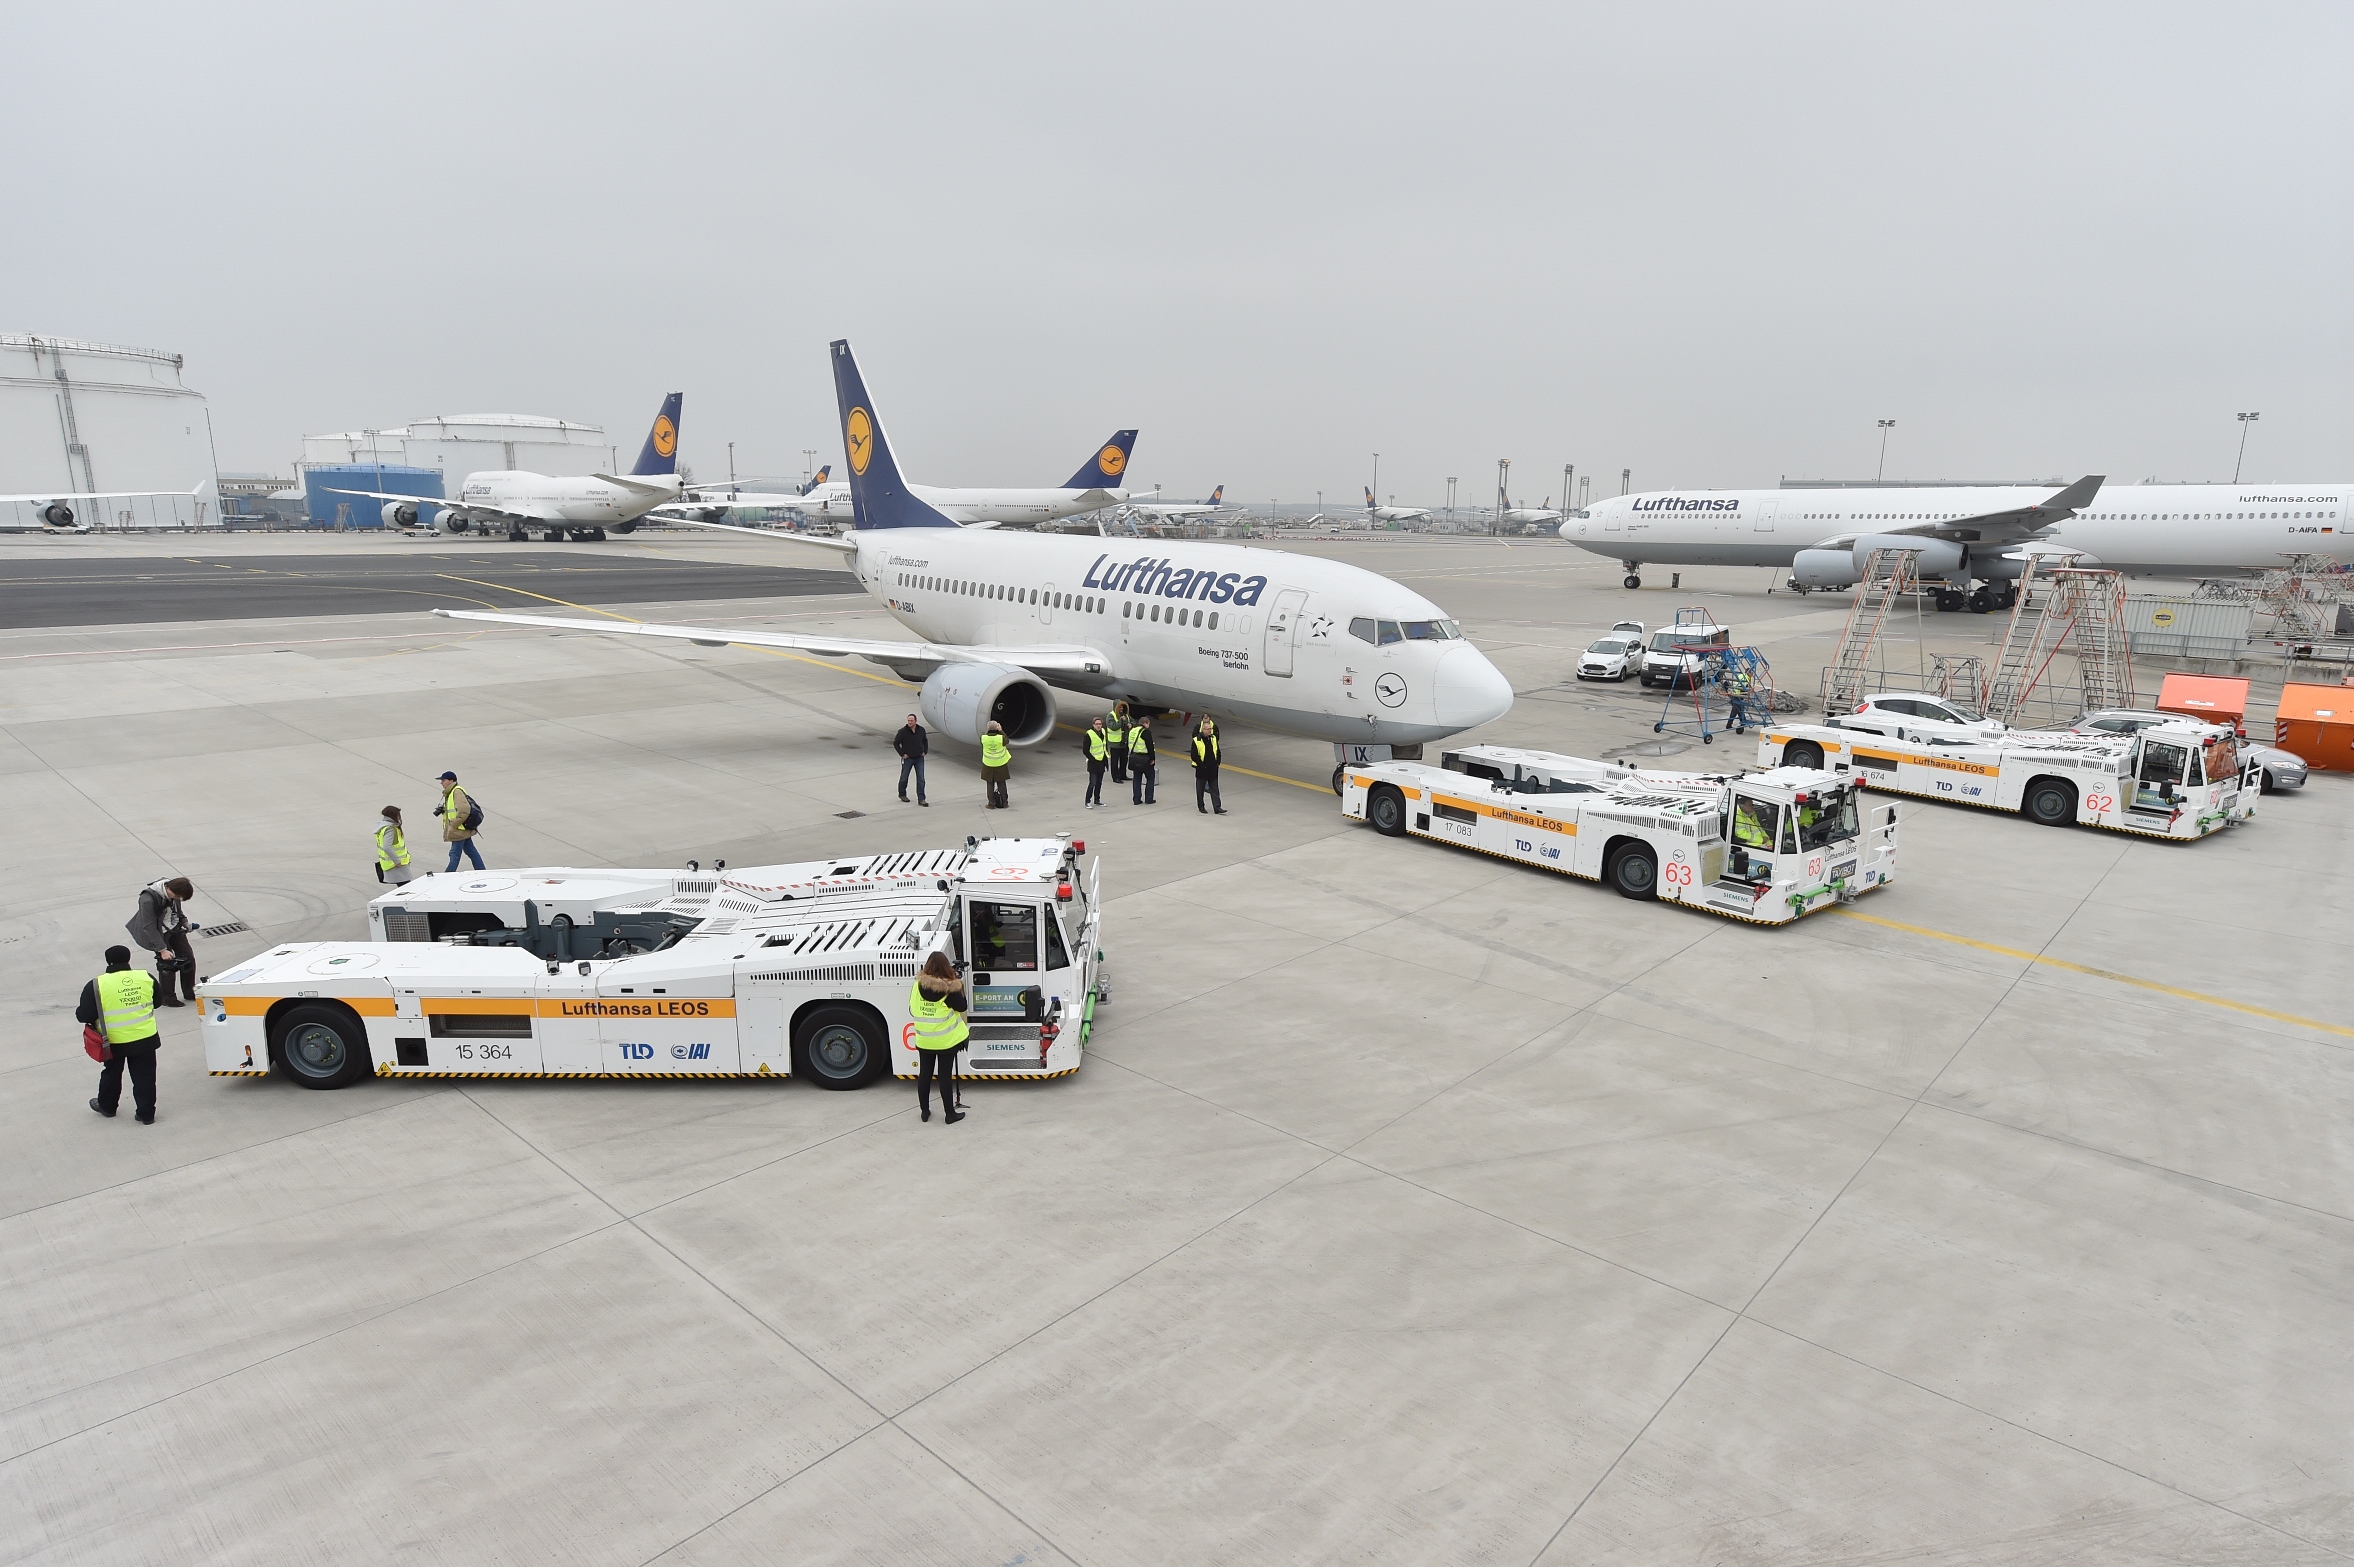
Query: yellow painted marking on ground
[(2176, 991), (1322, 788), (774, 652)]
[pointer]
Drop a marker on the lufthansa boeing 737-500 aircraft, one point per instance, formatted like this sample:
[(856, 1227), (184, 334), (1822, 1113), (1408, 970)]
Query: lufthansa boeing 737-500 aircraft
[(1291, 642), (1973, 540)]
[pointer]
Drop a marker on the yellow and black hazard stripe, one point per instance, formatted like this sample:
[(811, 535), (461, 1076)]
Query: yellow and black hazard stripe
[(996, 1075)]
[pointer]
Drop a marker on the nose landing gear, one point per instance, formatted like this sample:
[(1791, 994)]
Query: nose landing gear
[(1634, 573)]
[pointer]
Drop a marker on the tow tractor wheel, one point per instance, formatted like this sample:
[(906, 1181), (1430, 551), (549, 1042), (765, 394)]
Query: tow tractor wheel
[(1803, 753), (1385, 808), (321, 1046), (1634, 871), (1339, 772), (840, 1047), (1633, 581), (2050, 802)]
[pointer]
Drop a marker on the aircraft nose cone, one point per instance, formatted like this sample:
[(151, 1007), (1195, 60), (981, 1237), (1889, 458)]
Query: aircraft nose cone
[(1470, 690)]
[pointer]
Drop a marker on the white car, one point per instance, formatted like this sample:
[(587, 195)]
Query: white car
[(1918, 715), (2282, 769), (1611, 658)]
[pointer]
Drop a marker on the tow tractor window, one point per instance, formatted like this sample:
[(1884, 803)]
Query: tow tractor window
[(1757, 824), (2162, 763), (1826, 819), (1057, 954), (1004, 935), (2223, 760)]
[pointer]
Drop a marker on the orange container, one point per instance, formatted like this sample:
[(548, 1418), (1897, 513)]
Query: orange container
[(2210, 699), (2317, 722)]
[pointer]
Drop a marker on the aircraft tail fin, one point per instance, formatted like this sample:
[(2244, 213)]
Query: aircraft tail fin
[(1369, 497), (1218, 496), (1103, 470), (819, 482), (661, 453), (879, 497)]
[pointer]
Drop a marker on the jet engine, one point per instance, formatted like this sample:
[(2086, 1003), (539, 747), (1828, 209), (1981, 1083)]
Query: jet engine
[(456, 521), (400, 514), (57, 514), (1811, 569), (960, 700)]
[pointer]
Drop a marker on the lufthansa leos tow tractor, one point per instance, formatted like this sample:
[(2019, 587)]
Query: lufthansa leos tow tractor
[(1766, 847)]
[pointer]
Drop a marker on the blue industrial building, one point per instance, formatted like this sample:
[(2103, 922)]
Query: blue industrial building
[(323, 508)]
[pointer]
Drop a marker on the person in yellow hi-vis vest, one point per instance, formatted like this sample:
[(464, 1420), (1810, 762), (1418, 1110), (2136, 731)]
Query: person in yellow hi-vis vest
[(936, 1001), (1099, 755), (392, 849), (121, 1004), (997, 765)]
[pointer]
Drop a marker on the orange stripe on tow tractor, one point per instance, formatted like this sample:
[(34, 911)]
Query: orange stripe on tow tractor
[(259, 1006), (1505, 814)]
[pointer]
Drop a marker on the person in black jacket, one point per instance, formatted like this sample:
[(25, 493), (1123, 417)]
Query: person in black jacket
[(1205, 766), (913, 745), (126, 1016), (160, 925)]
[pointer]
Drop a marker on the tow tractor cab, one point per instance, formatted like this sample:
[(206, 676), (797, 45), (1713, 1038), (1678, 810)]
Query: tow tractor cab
[(2181, 779), (763, 972), (1766, 848)]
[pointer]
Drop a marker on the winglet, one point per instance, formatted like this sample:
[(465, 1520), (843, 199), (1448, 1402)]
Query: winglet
[(2076, 496), (879, 497)]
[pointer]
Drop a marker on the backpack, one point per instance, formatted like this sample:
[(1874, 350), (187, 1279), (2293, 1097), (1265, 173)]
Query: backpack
[(473, 813)]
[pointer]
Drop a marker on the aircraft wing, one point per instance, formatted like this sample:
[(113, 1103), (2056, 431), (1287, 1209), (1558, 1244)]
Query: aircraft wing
[(899, 657), (470, 508), (96, 495), (634, 486), (837, 546), (1995, 527)]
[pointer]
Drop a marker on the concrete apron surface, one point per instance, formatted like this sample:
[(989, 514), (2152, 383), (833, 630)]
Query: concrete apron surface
[(1411, 1207)]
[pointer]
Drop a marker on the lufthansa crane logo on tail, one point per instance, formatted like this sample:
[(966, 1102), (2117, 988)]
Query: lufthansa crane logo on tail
[(665, 436), (858, 433), (1111, 460)]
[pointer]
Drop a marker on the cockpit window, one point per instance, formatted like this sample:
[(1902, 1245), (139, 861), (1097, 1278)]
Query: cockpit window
[(1361, 628), (1391, 633), (1432, 631)]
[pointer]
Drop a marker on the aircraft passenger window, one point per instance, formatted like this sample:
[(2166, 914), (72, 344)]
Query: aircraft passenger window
[(1213, 620), (1362, 629), (1125, 607), (1197, 617), (1156, 613), (1390, 632)]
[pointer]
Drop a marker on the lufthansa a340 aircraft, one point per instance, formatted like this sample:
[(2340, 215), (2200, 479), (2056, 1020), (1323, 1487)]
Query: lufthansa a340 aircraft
[(1974, 540), (513, 502), (1291, 642), (1095, 486)]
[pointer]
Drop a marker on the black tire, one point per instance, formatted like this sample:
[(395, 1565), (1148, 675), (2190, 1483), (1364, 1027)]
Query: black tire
[(2050, 803), (1339, 776), (1708, 739), (1803, 753), (1385, 808), (1633, 581), (1634, 873), (321, 1045), (840, 1047), (2265, 785)]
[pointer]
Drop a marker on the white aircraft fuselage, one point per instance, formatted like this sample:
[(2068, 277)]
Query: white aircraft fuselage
[(2171, 530), (584, 502), (1263, 635)]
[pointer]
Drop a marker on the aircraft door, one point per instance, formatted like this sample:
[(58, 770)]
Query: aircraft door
[(1765, 516), (1283, 631)]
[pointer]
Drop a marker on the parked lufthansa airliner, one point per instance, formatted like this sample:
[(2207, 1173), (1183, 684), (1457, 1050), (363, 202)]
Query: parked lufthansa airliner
[(1974, 541), (1298, 644)]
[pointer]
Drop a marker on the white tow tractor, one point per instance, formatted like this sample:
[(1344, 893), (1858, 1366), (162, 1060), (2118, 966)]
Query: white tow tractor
[(2180, 780), (1765, 848), (771, 971)]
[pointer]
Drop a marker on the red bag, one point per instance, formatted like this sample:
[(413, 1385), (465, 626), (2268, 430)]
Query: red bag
[(95, 1043)]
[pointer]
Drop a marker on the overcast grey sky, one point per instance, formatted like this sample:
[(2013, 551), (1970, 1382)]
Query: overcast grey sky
[(1712, 243)]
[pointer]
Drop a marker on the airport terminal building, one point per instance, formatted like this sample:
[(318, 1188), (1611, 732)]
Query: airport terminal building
[(78, 417)]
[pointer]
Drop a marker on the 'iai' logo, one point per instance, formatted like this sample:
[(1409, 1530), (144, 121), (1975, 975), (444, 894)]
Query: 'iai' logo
[(665, 436), (859, 435)]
